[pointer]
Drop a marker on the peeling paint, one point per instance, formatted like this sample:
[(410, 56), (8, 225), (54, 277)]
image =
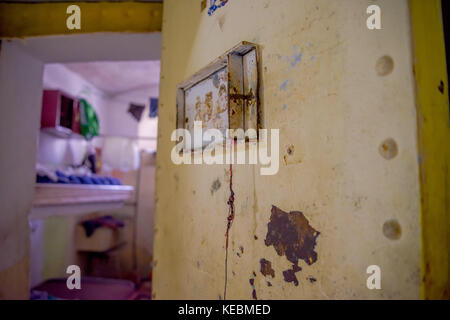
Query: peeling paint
[(266, 268), (215, 186), (289, 276), (202, 5), (252, 283), (291, 235), (216, 4)]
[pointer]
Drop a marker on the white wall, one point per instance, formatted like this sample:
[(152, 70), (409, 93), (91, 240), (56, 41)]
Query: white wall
[(111, 110), (122, 123), (59, 151), (20, 101)]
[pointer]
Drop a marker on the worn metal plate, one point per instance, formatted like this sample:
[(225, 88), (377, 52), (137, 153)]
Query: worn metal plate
[(223, 95), (207, 101)]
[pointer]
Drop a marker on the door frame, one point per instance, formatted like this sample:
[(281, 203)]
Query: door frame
[(433, 133)]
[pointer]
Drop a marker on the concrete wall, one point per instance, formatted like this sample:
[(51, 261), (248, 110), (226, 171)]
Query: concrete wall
[(342, 112), (120, 122), (20, 100)]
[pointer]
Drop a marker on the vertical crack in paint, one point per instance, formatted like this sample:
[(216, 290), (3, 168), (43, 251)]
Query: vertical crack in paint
[(230, 219)]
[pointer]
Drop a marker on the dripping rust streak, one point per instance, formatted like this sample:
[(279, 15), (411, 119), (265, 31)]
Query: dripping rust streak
[(230, 219), (231, 206)]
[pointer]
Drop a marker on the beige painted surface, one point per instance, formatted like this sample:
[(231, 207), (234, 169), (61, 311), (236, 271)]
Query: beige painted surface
[(20, 98), (338, 111)]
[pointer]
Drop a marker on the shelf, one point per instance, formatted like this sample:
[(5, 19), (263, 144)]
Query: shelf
[(70, 199)]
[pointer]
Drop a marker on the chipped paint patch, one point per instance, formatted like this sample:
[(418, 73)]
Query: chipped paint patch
[(215, 186), (252, 283), (216, 4), (293, 155), (289, 276), (266, 268), (296, 58), (283, 86), (292, 235), (202, 5)]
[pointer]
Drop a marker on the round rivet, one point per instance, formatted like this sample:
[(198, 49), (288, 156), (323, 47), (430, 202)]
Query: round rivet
[(388, 149), (385, 65), (392, 229)]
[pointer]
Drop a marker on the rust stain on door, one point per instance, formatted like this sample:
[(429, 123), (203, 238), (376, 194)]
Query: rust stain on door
[(266, 268), (292, 236)]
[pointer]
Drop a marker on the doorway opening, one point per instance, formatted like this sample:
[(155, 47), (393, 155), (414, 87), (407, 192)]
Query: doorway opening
[(95, 164)]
